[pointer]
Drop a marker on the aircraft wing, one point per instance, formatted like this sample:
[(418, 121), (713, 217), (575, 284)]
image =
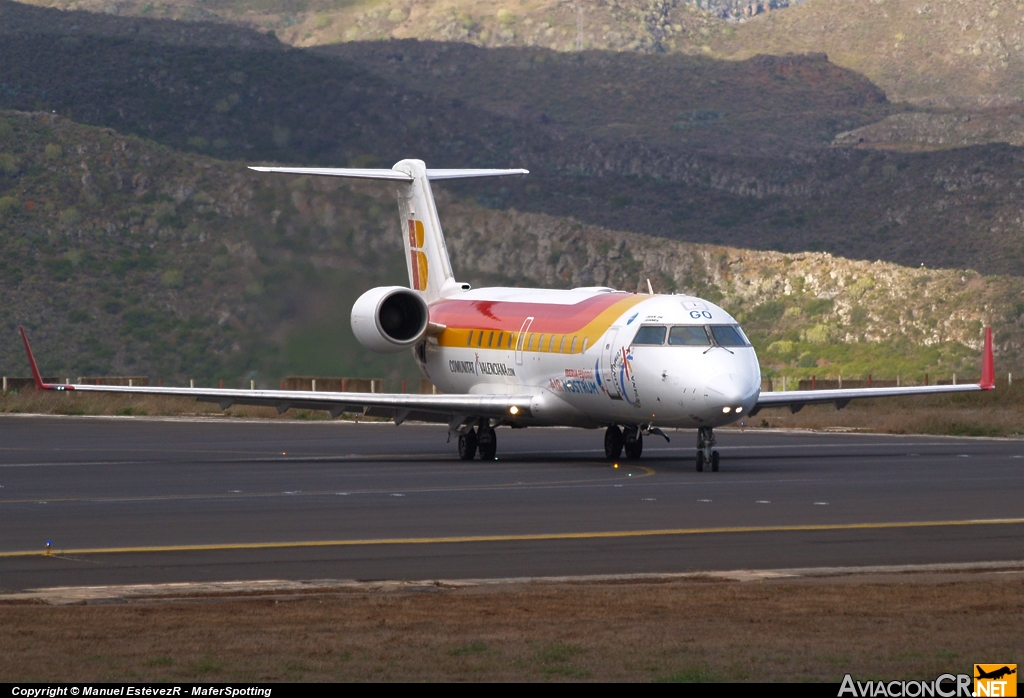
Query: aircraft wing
[(796, 399), (452, 409)]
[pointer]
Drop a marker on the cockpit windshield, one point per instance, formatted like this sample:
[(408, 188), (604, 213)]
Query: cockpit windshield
[(650, 334), (691, 336), (728, 336), (688, 336)]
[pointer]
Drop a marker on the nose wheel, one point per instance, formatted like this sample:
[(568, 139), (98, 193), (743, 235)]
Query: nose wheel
[(706, 455)]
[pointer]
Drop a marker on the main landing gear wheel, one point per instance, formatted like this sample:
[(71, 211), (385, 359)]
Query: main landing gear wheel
[(467, 445), (487, 443), (634, 447), (705, 450), (613, 443)]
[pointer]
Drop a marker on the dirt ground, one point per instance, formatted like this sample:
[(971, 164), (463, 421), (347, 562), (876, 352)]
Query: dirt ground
[(912, 626)]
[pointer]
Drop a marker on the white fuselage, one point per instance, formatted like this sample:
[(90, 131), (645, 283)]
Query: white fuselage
[(615, 379)]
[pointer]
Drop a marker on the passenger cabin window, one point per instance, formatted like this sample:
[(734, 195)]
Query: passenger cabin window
[(688, 336), (650, 335), (728, 336), (561, 347), (469, 342), (490, 339), (572, 350), (540, 343)]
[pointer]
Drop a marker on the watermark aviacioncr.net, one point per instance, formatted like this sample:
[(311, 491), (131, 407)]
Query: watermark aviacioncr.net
[(988, 681)]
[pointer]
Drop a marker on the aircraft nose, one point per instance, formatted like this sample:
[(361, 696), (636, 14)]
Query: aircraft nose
[(730, 390)]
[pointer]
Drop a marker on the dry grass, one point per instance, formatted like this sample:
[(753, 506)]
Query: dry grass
[(680, 631)]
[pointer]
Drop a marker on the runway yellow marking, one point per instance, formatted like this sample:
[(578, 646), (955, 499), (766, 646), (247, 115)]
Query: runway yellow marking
[(514, 538)]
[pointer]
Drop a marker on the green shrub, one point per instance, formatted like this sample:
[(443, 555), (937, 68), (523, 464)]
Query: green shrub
[(9, 164), (819, 334), (172, 278), (323, 21), (9, 206), (70, 216), (53, 151), (60, 269), (506, 17)]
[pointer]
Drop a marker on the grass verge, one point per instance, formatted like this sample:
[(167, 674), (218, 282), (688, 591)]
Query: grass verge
[(906, 626)]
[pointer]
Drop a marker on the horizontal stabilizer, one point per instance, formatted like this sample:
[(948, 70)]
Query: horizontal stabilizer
[(339, 172), (466, 174), (387, 174)]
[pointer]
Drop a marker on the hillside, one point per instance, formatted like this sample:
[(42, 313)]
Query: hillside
[(950, 54), (123, 256), (955, 53), (685, 147)]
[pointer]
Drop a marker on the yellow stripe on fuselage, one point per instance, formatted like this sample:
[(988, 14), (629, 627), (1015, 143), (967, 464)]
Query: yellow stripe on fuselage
[(479, 329)]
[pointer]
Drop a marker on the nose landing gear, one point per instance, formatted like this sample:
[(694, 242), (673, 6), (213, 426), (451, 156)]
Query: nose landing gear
[(705, 454)]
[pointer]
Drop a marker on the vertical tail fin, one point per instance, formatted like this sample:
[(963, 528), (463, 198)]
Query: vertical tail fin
[(426, 256)]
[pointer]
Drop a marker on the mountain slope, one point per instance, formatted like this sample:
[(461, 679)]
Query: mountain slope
[(123, 256), (954, 53)]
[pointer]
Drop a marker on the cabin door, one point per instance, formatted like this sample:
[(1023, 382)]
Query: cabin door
[(609, 353)]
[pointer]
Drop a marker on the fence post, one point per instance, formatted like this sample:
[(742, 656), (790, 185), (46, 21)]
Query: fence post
[(954, 379), (313, 384), (814, 382), (5, 384), (840, 381), (222, 383), (926, 379), (869, 380), (252, 385), (191, 383)]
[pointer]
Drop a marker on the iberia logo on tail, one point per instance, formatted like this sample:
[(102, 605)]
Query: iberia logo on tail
[(417, 259)]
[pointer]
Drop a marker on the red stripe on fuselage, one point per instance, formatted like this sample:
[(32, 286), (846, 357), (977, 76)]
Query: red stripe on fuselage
[(503, 315)]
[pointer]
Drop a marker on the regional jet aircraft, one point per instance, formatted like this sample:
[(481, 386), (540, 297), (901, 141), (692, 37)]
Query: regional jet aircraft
[(593, 357)]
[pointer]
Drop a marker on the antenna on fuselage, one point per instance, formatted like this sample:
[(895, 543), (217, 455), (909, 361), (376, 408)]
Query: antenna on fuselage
[(650, 289)]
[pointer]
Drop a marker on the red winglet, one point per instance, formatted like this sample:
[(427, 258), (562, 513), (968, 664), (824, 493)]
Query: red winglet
[(32, 362), (988, 366)]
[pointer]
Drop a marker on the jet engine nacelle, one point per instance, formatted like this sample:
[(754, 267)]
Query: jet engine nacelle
[(389, 319)]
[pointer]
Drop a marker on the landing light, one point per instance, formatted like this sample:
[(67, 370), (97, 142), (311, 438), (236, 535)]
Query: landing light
[(739, 409), (513, 410), (726, 410)]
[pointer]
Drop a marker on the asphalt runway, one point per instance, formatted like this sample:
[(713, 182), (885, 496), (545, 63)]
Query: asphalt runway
[(128, 500)]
